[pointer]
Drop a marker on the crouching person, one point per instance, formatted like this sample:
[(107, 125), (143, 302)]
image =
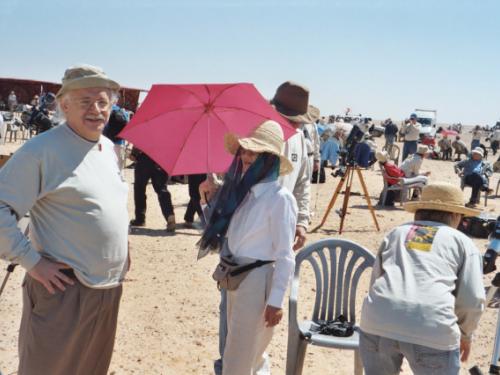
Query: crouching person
[(426, 294), (252, 225)]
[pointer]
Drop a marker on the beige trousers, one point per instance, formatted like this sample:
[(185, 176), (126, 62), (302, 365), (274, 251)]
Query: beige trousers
[(68, 333), (248, 336)]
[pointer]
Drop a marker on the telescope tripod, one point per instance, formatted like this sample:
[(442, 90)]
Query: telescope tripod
[(347, 179), (495, 357)]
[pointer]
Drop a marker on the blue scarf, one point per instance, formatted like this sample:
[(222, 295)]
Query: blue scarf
[(231, 194)]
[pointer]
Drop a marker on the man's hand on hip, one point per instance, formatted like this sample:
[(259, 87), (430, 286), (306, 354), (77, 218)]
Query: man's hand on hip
[(300, 237), (47, 273)]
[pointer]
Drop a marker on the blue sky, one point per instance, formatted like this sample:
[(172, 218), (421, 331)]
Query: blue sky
[(380, 57)]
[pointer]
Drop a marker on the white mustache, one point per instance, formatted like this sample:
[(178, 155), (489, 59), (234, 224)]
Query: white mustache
[(98, 118)]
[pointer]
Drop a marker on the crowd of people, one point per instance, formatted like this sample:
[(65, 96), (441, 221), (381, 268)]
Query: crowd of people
[(426, 294)]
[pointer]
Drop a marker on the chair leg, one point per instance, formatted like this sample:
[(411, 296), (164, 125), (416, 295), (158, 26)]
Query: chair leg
[(295, 356), (358, 365)]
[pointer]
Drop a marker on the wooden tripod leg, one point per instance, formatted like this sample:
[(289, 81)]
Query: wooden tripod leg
[(367, 197), (347, 195), (331, 204)]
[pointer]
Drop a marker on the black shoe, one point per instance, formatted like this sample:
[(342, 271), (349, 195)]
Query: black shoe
[(137, 223)]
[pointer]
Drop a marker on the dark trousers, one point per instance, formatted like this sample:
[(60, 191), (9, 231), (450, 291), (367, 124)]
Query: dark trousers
[(447, 154), (321, 172), (145, 170), (409, 148), (194, 206), (477, 183)]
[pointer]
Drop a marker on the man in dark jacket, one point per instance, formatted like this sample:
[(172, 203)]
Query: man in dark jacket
[(391, 130)]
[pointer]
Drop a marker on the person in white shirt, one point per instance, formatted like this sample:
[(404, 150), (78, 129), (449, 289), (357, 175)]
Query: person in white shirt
[(411, 132), (291, 100), (411, 166), (253, 219), (313, 143)]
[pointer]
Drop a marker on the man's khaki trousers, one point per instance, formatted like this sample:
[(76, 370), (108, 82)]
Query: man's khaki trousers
[(68, 333)]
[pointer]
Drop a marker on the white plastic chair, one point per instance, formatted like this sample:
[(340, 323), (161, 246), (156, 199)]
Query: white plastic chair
[(341, 264)]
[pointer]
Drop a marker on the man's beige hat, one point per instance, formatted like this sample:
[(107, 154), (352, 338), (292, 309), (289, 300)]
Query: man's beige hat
[(291, 100), (84, 77), (267, 137), (441, 196), (478, 150), (422, 149), (382, 156), (313, 114)]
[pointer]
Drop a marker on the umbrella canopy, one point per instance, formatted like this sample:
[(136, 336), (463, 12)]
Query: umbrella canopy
[(449, 132), (182, 127)]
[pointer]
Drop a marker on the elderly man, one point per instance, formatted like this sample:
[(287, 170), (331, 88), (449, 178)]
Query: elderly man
[(411, 132), (76, 257), (475, 173)]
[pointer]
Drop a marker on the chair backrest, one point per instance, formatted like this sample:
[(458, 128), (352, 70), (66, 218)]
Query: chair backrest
[(337, 273)]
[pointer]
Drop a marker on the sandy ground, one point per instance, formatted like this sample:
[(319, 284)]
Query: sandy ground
[(168, 320)]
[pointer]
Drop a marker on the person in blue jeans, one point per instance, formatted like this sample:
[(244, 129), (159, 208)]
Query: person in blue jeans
[(426, 293)]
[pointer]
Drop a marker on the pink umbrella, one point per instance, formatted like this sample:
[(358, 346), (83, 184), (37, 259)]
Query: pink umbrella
[(182, 127), (449, 132)]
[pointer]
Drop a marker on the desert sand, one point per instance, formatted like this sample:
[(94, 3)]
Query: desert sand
[(168, 319)]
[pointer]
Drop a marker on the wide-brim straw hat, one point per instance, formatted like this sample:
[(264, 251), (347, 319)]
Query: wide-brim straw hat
[(291, 100), (441, 196), (84, 77), (479, 151), (267, 137)]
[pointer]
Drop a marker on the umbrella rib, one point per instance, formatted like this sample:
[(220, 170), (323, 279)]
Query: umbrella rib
[(224, 90), (185, 140), (245, 110), (191, 92), (170, 111)]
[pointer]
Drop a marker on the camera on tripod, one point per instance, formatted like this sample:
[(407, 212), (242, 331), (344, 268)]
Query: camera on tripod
[(348, 155)]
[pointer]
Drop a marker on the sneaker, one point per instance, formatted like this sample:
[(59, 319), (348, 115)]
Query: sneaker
[(470, 205), (171, 224), (137, 223)]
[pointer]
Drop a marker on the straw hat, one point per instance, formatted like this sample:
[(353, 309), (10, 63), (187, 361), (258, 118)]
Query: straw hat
[(382, 156), (85, 76), (267, 137), (422, 149), (291, 100), (479, 151), (441, 197)]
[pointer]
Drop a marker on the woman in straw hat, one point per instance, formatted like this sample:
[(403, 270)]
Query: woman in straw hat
[(253, 219), (426, 294)]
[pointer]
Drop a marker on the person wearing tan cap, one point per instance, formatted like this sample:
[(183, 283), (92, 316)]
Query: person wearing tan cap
[(475, 173), (411, 165), (426, 293), (77, 254), (251, 223)]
